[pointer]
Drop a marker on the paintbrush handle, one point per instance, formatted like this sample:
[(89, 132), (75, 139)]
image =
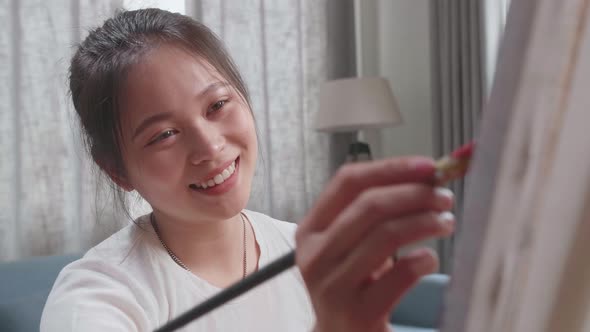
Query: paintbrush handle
[(271, 270)]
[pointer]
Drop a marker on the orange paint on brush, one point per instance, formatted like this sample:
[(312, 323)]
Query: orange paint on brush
[(455, 165)]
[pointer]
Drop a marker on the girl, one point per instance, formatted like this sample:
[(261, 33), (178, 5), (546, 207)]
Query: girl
[(166, 113)]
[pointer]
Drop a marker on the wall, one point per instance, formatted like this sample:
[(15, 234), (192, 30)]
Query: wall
[(404, 59), (395, 44)]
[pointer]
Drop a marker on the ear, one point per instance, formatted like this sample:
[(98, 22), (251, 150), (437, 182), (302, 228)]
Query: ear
[(116, 175)]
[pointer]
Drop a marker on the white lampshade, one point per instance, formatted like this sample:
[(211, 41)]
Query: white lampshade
[(356, 103)]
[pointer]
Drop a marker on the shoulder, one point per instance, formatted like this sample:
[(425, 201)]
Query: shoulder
[(274, 230), (90, 295), (262, 220), (122, 257), (105, 289), (125, 241)]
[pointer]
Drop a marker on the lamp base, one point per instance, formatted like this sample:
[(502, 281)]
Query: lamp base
[(358, 151)]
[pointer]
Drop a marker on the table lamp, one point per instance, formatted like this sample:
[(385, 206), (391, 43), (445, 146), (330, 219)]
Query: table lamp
[(354, 104)]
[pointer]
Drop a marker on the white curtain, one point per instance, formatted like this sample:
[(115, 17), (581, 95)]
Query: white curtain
[(51, 200), (47, 190)]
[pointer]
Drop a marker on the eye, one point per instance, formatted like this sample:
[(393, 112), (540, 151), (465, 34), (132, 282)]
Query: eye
[(164, 135), (218, 105)]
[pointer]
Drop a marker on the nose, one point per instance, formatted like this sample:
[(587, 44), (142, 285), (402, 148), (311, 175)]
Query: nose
[(205, 142)]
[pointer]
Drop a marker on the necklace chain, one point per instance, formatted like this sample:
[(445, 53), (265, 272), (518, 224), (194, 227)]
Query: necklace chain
[(181, 264)]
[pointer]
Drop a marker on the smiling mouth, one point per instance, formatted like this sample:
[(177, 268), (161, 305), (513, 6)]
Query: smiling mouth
[(218, 179)]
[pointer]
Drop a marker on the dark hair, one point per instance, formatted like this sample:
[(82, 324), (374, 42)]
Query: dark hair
[(100, 65)]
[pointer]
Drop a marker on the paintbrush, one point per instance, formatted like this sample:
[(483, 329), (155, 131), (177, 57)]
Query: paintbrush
[(448, 168), (454, 166)]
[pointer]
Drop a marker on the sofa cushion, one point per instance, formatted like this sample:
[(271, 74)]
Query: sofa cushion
[(422, 305), (24, 287), (405, 328)]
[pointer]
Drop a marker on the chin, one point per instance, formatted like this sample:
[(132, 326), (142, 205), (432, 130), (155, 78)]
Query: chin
[(226, 207)]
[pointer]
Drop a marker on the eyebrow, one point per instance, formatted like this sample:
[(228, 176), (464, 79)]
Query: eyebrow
[(213, 86), (166, 115)]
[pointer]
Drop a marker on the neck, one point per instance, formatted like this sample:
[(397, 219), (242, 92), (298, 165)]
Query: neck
[(212, 249)]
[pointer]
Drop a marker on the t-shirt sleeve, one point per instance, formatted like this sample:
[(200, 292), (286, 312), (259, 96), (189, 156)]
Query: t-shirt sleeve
[(93, 298)]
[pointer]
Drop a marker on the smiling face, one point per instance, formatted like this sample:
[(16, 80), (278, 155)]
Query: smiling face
[(189, 144)]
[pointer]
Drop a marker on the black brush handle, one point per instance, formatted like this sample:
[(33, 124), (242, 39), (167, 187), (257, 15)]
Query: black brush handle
[(276, 267)]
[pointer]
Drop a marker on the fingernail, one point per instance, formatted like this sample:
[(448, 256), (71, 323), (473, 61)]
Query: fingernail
[(443, 192), (447, 218)]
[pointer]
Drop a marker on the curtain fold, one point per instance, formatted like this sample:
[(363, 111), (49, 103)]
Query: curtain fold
[(457, 87)]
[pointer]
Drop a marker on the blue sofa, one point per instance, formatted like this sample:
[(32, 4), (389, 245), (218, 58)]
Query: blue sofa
[(420, 309), (24, 286)]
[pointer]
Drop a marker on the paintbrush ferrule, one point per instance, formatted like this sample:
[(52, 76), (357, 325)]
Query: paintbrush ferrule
[(454, 165)]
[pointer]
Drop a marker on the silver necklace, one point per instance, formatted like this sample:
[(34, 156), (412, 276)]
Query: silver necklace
[(181, 264)]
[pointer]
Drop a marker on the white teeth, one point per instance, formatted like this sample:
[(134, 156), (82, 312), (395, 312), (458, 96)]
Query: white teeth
[(219, 178)]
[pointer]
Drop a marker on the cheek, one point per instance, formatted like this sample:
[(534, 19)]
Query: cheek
[(155, 169), (251, 147), (251, 133), (252, 140), (243, 129)]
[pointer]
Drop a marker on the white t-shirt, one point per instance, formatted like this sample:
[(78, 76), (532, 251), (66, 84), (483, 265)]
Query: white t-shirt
[(130, 283)]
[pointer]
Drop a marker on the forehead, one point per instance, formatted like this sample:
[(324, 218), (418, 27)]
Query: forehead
[(165, 79)]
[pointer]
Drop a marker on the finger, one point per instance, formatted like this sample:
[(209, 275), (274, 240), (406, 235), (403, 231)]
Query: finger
[(373, 207), (380, 205), (352, 179), (384, 294), (357, 267)]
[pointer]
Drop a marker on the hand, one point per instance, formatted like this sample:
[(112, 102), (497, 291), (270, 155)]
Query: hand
[(344, 245)]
